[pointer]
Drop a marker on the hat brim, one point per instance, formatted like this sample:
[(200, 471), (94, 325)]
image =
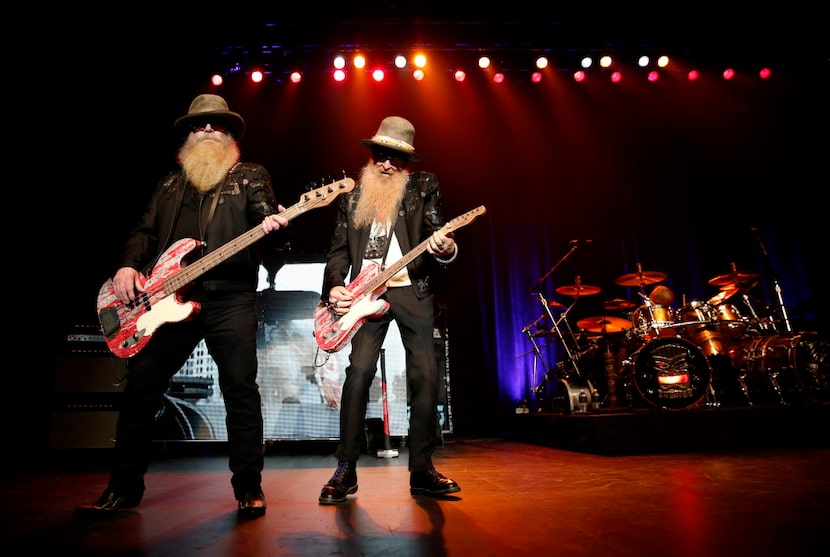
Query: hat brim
[(412, 155), (231, 120)]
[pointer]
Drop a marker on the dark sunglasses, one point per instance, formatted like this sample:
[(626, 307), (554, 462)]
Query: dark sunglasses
[(202, 127), (395, 158)]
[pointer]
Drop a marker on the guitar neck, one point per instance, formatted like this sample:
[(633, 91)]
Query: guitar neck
[(317, 198), (390, 271)]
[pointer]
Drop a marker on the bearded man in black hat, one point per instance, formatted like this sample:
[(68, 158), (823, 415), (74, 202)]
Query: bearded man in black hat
[(213, 197), (390, 212)]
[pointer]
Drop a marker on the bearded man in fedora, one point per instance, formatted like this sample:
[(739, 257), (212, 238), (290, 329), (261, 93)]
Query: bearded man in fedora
[(390, 212), (212, 197)]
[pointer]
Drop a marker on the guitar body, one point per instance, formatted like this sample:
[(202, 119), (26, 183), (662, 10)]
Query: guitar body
[(127, 328), (331, 331)]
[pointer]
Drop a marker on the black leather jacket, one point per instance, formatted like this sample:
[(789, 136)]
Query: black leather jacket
[(419, 216), (247, 197)]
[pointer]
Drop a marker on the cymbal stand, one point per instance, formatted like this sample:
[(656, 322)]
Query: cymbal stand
[(558, 330), (537, 357), (770, 272), (535, 289)]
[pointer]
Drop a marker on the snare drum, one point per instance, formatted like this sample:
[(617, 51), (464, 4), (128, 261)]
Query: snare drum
[(652, 321)]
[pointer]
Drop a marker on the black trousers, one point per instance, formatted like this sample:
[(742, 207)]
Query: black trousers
[(415, 321), (228, 324)]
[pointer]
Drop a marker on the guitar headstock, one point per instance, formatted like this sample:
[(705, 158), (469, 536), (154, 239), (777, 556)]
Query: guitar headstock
[(465, 219), (324, 195)]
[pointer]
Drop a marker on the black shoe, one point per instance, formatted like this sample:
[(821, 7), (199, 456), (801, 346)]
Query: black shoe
[(108, 504), (251, 505), (431, 482), (341, 484)]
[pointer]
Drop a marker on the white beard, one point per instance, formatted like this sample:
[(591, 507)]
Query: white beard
[(380, 195)]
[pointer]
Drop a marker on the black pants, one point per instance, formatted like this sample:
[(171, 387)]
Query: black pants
[(228, 324), (415, 321)]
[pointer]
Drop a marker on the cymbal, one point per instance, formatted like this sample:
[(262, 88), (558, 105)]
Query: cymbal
[(733, 278), (557, 305), (641, 278), (617, 304), (578, 290), (725, 293), (542, 333), (604, 324)]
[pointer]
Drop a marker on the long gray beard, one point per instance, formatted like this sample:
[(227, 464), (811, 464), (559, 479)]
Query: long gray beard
[(380, 195), (206, 163)]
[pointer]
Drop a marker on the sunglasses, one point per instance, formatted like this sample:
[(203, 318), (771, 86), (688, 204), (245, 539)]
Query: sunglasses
[(202, 127), (395, 158)]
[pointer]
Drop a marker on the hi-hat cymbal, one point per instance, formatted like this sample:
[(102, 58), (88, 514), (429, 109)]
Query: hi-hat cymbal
[(617, 304), (578, 290), (735, 278), (641, 278), (604, 324)]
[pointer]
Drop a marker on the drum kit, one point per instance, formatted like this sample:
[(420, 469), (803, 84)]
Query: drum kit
[(706, 353)]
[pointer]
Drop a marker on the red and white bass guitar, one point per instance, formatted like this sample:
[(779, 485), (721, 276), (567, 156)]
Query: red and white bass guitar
[(332, 332), (128, 328)]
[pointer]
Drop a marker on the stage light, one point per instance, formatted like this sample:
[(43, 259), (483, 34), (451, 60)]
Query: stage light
[(216, 79), (256, 76), (418, 75), (295, 77), (483, 62), (643, 61), (339, 75), (400, 61), (693, 75), (542, 62), (616, 77), (606, 61), (653, 76), (662, 61), (765, 73), (419, 60), (586, 62), (460, 75), (339, 62), (498, 77), (728, 74), (378, 75), (579, 76), (359, 61), (536, 77)]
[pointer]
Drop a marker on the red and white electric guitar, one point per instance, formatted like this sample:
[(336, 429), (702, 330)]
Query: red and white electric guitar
[(332, 332), (128, 327)]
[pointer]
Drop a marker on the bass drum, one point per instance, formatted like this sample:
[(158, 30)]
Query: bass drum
[(784, 368), (566, 394), (670, 373)]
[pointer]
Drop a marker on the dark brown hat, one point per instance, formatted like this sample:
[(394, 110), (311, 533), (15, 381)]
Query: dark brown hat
[(395, 133), (210, 109)]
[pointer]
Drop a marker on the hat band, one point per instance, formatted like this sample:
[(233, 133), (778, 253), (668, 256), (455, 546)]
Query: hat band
[(386, 140)]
